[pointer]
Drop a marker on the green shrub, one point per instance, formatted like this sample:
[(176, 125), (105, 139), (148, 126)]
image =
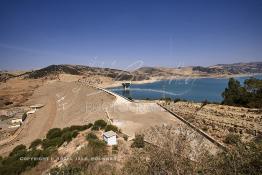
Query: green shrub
[(111, 128), (91, 136), (77, 128), (74, 134), (101, 124), (97, 147), (53, 133), (17, 149), (49, 150), (67, 136), (35, 143), (89, 125), (24, 116), (177, 100), (125, 137), (66, 129), (55, 142), (138, 141), (232, 139), (67, 170), (95, 128)]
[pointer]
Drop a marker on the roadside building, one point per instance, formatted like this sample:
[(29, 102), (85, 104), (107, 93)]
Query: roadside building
[(36, 106), (110, 138), (16, 120)]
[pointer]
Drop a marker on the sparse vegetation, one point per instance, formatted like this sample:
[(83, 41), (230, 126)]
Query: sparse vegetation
[(53, 133), (111, 128), (24, 116), (138, 141), (125, 137), (100, 124), (35, 143), (232, 139), (91, 136), (13, 165)]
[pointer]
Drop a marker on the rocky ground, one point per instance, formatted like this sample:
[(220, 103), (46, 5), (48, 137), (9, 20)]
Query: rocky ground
[(219, 120)]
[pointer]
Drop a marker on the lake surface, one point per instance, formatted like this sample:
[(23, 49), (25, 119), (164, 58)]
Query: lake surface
[(190, 89)]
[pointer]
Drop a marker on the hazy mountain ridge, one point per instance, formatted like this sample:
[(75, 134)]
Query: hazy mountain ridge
[(53, 71), (235, 68), (143, 73), (216, 70)]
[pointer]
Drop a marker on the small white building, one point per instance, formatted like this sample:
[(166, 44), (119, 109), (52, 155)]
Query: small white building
[(36, 106), (14, 126), (17, 120), (110, 138), (31, 111)]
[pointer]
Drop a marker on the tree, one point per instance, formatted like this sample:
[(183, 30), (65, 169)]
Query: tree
[(53, 133), (101, 124), (250, 95), (111, 128), (17, 149), (138, 141), (35, 143), (91, 136)]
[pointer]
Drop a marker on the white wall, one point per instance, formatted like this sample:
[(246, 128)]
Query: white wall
[(111, 140)]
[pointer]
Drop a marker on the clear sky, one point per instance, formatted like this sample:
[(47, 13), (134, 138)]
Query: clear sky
[(117, 34)]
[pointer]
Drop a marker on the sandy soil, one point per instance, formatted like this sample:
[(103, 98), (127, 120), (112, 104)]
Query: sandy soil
[(77, 103), (66, 104), (219, 120), (17, 91)]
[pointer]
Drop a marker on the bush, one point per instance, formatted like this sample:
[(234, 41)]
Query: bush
[(89, 125), (55, 142), (17, 149), (232, 139), (66, 170), (115, 148), (74, 134), (67, 136), (125, 137), (53, 133), (24, 116), (35, 143), (97, 147), (91, 136), (66, 129), (80, 128), (138, 141), (249, 95), (101, 124), (177, 100), (111, 128), (95, 128)]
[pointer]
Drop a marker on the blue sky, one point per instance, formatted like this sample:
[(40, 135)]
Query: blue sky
[(122, 34)]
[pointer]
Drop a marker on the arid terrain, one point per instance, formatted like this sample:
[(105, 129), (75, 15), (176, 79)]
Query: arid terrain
[(77, 103), (70, 96), (220, 120)]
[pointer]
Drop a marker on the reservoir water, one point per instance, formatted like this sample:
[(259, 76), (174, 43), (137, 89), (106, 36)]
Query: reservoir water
[(189, 89)]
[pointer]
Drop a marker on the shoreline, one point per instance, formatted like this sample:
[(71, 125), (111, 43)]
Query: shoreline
[(157, 79)]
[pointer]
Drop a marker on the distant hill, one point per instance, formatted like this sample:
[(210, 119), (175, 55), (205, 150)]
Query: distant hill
[(231, 69), (53, 71), (143, 73), (5, 76), (216, 70)]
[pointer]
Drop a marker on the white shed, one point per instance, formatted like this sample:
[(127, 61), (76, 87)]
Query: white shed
[(110, 138), (17, 120)]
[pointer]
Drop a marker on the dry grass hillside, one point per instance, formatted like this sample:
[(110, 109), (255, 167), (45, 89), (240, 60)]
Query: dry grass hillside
[(220, 120)]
